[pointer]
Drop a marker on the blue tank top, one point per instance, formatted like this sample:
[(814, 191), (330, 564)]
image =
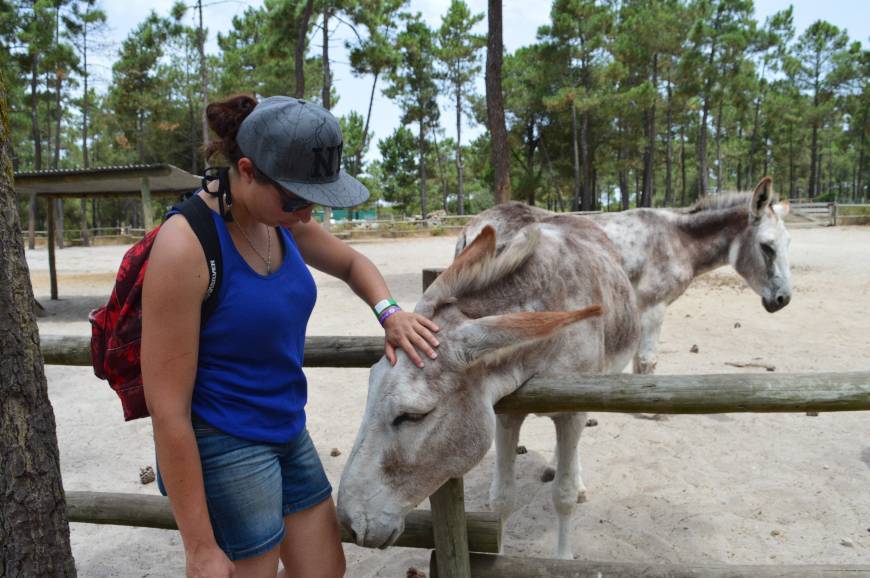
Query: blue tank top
[(249, 381)]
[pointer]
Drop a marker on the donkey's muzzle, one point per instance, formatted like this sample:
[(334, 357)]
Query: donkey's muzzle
[(777, 303)]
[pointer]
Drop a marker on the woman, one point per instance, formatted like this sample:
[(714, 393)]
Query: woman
[(227, 398)]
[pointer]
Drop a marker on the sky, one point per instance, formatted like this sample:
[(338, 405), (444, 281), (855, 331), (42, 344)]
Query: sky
[(521, 20)]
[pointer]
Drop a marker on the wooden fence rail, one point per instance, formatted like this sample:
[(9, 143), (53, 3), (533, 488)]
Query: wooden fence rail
[(326, 351), (490, 566), (718, 393), (143, 511)]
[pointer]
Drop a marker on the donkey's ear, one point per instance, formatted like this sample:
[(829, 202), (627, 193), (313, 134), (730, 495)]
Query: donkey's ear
[(782, 208), (761, 197), (471, 258), (491, 339)]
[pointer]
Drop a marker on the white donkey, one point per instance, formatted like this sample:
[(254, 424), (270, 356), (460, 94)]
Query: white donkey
[(505, 316), (663, 250)]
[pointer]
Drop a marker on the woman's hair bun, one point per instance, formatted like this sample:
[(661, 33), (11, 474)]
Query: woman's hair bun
[(225, 118)]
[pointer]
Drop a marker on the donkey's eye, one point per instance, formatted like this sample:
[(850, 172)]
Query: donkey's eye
[(408, 417), (768, 250)]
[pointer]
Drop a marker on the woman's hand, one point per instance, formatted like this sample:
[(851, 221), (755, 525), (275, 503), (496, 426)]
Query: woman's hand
[(411, 332), (209, 562)]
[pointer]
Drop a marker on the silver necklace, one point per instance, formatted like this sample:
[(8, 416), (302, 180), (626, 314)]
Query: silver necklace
[(268, 258)]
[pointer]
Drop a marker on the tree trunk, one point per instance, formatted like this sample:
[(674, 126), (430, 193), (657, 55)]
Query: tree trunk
[(702, 153), (753, 140), (301, 37), (718, 146), (624, 194), (814, 147), (48, 116), (58, 113), (460, 190), (669, 147), (831, 180), (529, 163), (575, 201), (499, 152), (357, 165), (203, 76), (739, 159), (442, 172), (423, 192), (83, 223), (85, 161), (649, 153), (702, 129), (554, 180), (621, 172), (140, 135), (34, 532), (37, 148), (191, 121), (325, 93), (792, 193), (814, 159), (585, 159), (637, 188), (859, 178), (683, 165)]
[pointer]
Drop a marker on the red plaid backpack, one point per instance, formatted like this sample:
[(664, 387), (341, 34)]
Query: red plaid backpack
[(116, 329)]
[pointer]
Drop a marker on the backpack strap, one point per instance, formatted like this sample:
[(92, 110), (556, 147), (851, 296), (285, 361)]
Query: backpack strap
[(198, 215)]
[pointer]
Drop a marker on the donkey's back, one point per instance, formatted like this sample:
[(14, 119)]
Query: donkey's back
[(573, 265)]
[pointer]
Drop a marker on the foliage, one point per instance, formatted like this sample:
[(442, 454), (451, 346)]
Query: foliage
[(616, 104)]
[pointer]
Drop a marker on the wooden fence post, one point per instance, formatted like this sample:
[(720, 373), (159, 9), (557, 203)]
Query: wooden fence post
[(448, 511), (147, 208), (450, 530), (52, 267)]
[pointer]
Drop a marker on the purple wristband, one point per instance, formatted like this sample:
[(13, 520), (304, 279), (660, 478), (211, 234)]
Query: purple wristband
[(387, 312)]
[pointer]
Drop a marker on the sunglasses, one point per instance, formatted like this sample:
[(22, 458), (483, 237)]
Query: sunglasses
[(292, 204)]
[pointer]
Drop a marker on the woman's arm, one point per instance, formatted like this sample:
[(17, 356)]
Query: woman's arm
[(175, 284), (326, 253)]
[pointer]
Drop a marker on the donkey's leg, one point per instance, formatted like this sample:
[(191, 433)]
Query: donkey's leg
[(502, 493), (568, 488), (650, 328)]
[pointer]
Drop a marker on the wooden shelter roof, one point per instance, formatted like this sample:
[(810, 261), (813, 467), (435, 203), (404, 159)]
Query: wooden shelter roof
[(118, 181)]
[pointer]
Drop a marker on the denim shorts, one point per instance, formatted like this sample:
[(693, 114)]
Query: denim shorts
[(251, 486)]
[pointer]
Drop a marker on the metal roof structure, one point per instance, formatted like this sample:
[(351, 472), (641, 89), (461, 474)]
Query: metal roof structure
[(142, 181), (117, 181)]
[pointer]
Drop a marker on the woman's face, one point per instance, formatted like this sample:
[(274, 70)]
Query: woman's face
[(267, 202)]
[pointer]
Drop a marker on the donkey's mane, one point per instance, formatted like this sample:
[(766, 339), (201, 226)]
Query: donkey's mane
[(721, 201), (478, 266)]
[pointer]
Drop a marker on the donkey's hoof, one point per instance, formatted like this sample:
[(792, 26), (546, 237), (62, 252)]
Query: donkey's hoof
[(549, 475), (581, 495)]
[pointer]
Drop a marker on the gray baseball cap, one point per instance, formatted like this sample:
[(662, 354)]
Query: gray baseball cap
[(298, 145)]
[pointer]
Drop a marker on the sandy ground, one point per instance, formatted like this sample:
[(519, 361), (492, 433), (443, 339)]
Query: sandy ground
[(748, 489)]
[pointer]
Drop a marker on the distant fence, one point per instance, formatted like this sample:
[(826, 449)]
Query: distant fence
[(832, 214)]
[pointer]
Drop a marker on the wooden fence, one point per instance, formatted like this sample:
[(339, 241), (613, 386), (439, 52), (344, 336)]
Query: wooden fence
[(832, 214), (461, 540), (464, 543)]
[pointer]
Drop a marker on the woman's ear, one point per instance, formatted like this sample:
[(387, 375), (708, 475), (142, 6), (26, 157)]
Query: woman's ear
[(246, 169)]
